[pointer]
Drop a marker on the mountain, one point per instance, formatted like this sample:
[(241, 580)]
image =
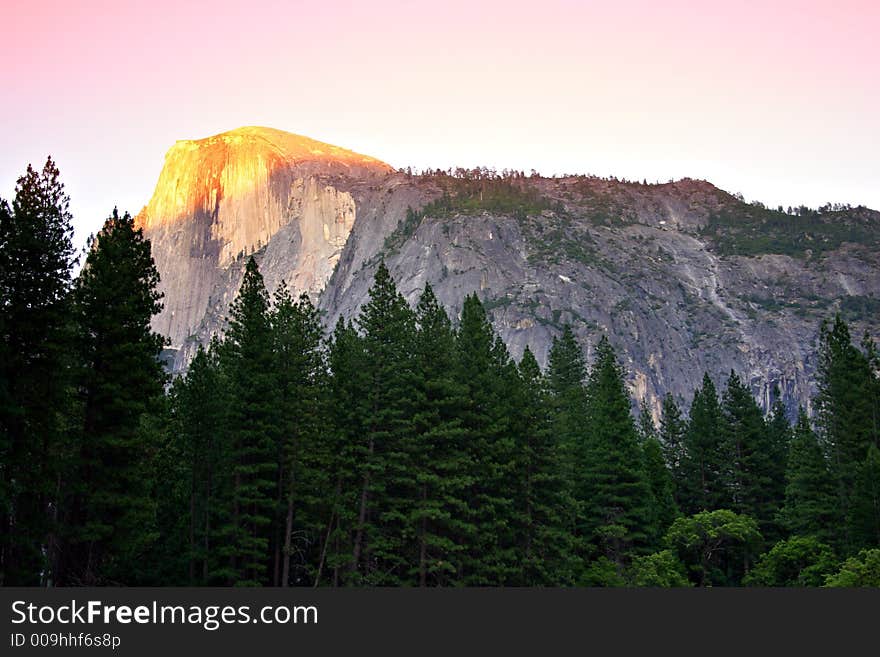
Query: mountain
[(227, 196), (683, 277)]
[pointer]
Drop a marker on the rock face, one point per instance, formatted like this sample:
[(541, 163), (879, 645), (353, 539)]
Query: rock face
[(683, 277), (224, 197)]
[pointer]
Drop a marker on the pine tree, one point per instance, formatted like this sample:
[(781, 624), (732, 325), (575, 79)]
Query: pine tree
[(304, 452), (567, 370), (349, 398), (749, 466), (441, 516), (810, 506), (111, 522), (480, 369), (566, 374), (36, 261), (388, 486), (671, 435), (247, 358), (700, 485), (646, 428), (543, 499), (201, 451), (864, 518), (779, 433), (663, 507), (613, 489), (847, 412)]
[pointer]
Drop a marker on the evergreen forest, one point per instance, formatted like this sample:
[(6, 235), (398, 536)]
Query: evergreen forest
[(400, 447)]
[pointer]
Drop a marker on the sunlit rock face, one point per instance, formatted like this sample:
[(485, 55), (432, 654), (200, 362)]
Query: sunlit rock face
[(224, 197)]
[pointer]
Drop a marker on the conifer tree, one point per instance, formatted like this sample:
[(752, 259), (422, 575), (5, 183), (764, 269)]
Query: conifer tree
[(567, 370), (846, 412), (304, 452), (779, 433), (480, 369), (864, 518), (36, 261), (349, 397), (646, 428), (663, 506), (671, 435), (388, 486), (543, 500), (700, 483), (441, 516), (254, 427), (200, 405), (613, 490), (566, 375), (749, 467), (809, 508), (111, 522)]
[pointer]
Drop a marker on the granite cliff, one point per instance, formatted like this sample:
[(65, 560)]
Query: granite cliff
[(683, 276)]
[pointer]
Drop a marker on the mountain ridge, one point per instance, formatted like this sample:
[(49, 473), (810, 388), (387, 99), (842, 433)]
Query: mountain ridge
[(682, 274)]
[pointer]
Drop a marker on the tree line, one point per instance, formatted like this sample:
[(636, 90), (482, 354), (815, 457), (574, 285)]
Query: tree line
[(404, 449)]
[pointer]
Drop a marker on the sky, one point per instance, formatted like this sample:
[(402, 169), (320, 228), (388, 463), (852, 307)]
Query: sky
[(778, 100)]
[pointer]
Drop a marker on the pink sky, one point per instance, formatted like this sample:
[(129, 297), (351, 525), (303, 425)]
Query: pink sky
[(778, 100)]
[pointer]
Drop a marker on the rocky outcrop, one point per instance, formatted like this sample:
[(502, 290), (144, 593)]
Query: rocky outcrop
[(225, 197), (683, 277)]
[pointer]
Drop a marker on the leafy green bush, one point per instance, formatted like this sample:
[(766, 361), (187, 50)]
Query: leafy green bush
[(861, 570), (798, 561)]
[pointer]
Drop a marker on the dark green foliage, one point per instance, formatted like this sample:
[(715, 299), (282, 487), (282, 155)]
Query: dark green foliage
[(671, 436), (645, 427), (847, 408), (383, 534), (798, 561), (716, 546), (349, 384), (484, 370), (304, 451), (613, 491), (566, 374), (567, 370), (472, 192), (700, 484), (544, 503), (478, 190), (254, 440), (660, 570), (864, 518), (441, 515), (663, 507), (779, 432), (602, 572), (810, 502), (749, 470), (36, 259), (196, 461), (111, 525), (862, 569), (738, 228)]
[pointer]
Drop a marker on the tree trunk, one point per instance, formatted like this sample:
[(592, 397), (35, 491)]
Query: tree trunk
[(423, 547), (362, 517), (288, 533)]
